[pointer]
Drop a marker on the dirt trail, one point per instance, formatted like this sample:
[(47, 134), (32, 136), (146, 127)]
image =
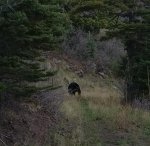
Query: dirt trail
[(33, 122), (52, 118)]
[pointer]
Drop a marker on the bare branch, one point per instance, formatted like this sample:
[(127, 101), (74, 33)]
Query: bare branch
[(3, 142)]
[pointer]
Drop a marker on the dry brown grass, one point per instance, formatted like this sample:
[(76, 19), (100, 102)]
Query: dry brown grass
[(103, 101), (71, 108), (99, 101)]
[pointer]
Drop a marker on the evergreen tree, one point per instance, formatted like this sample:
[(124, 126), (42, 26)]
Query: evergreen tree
[(128, 20), (26, 28), (135, 32)]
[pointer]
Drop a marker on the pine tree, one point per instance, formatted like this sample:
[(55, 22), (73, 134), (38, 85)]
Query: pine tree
[(128, 20), (26, 28), (136, 37)]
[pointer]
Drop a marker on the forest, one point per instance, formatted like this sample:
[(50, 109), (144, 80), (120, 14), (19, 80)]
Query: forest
[(114, 35)]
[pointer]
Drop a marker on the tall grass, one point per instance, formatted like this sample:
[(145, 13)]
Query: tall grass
[(100, 103)]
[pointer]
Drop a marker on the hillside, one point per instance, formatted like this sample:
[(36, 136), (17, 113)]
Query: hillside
[(50, 50), (97, 117), (54, 118)]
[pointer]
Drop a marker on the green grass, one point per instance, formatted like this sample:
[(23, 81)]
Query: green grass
[(97, 118)]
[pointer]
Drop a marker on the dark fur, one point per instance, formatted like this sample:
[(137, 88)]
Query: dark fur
[(73, 88)]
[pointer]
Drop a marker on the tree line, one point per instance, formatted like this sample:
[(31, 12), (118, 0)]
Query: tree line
[(29, 27)]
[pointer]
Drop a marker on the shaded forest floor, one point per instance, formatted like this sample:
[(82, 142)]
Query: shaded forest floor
[(96, 118)]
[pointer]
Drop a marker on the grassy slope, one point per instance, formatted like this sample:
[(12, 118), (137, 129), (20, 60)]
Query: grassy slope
[(97, 118)]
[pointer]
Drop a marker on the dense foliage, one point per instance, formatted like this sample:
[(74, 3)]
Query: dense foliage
[(128, 20), (26, 28), (135, 33), (29, 26)]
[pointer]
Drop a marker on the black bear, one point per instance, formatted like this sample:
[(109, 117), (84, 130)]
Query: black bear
[(73, 88)]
